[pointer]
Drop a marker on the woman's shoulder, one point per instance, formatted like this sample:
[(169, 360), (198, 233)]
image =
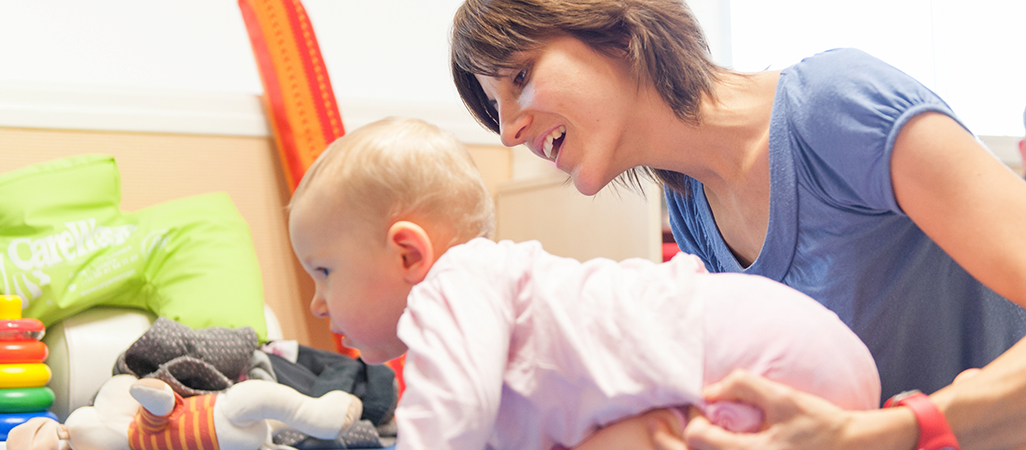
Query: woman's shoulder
[(845, 74), (840, 111), (846, 90), (839, 61), (832, 57)]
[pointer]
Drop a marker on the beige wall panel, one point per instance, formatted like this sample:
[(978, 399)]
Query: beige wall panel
[(495, 164), (615, 224)]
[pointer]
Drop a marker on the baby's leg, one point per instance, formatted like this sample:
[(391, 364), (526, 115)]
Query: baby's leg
[(633, 433), (775, 331)]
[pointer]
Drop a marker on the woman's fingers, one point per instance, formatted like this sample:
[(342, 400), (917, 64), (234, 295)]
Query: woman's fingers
[(747, 387), (794, 420), (700, 434), (665, 436)]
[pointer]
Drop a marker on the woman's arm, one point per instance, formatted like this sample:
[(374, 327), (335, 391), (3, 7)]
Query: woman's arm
[(984, 410), (968, 202), (974, 208)]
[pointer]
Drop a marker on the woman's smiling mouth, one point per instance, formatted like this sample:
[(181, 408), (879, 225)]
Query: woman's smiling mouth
[(550, 149)]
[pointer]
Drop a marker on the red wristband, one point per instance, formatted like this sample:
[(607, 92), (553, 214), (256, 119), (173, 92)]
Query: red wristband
[(934, 431)]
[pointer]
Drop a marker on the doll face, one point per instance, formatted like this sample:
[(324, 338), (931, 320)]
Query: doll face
[(569, 104), (358, 286)]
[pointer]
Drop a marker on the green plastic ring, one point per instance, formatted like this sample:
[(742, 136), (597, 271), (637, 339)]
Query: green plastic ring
[(19, 400)]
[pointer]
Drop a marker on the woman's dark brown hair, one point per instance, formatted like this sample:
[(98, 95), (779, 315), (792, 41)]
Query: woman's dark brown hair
[(661, 39)]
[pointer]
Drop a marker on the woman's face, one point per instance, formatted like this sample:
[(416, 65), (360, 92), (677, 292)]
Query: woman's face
[(570, 104)]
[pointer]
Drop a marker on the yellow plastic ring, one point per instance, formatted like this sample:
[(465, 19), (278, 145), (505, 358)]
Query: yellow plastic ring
[(24, 375)]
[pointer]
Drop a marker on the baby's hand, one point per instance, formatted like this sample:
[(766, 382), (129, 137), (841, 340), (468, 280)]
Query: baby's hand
[(38, 433)]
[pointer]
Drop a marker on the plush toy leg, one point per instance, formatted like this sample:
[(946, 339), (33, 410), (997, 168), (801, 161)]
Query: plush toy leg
[(105, 425), (89, 430), (326, 417), (38, 433)]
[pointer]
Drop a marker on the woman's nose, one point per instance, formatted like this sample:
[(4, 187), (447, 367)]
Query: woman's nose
[(512, 126), (318, 307)]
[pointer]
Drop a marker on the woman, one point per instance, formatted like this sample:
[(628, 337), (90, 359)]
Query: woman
[(839, 176)]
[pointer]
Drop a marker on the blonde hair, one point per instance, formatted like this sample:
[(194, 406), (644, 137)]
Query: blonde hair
[(398, 168)]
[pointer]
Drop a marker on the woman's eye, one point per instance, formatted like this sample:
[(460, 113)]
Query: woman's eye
[(520, 78)]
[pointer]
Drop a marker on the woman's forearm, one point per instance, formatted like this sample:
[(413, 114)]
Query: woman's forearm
[(988, 410)]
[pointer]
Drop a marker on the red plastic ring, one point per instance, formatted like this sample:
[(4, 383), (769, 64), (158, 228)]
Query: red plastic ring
[(14, 352)]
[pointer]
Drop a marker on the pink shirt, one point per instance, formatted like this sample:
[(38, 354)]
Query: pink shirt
[(513, 348)]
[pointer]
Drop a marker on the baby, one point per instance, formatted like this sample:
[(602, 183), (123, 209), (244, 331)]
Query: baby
[(508, 346)]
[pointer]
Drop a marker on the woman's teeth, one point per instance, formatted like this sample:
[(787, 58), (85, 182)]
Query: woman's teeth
[(547, 148)]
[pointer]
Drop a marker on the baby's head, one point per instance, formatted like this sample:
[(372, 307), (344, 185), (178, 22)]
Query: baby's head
[(372, 215)]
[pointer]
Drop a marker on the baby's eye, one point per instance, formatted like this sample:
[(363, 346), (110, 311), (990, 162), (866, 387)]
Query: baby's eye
[(323, 271)]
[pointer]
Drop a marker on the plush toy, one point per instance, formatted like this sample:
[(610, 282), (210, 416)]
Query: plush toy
[(135, 414)]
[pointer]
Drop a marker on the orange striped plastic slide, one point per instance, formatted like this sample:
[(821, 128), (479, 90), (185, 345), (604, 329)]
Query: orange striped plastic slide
[(297, 95), (297, 92)]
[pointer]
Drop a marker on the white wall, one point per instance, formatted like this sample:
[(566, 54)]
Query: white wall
[(969, 52), (149, 65), (187, 66)]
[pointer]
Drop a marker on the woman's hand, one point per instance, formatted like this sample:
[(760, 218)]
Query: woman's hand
[(794, 421)]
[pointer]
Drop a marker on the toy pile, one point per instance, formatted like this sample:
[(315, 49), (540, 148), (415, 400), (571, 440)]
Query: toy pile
[(23, 375)]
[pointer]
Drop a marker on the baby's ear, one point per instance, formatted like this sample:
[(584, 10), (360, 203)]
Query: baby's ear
[(412, 244)]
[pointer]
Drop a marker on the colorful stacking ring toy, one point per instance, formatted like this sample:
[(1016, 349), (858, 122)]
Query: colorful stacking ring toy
[(24, 375), (22, 400), (21, 330), (15, 352)]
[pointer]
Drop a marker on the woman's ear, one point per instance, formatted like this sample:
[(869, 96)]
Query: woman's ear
[(412, 244)]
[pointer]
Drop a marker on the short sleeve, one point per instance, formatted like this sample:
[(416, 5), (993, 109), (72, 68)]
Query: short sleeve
[(845, 109)]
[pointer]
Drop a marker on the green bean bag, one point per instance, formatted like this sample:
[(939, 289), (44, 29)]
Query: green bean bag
[(66, 246)]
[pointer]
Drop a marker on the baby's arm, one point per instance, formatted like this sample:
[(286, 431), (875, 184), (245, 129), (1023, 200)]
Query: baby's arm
[(457, 335)]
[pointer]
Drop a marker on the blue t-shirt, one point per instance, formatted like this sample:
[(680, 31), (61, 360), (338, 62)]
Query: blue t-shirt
[(836, 231)]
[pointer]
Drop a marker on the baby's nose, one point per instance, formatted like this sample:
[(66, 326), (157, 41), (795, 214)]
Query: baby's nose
[(318, 307)]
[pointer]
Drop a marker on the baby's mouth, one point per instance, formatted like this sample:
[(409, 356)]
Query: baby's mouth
[(552, 143)]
